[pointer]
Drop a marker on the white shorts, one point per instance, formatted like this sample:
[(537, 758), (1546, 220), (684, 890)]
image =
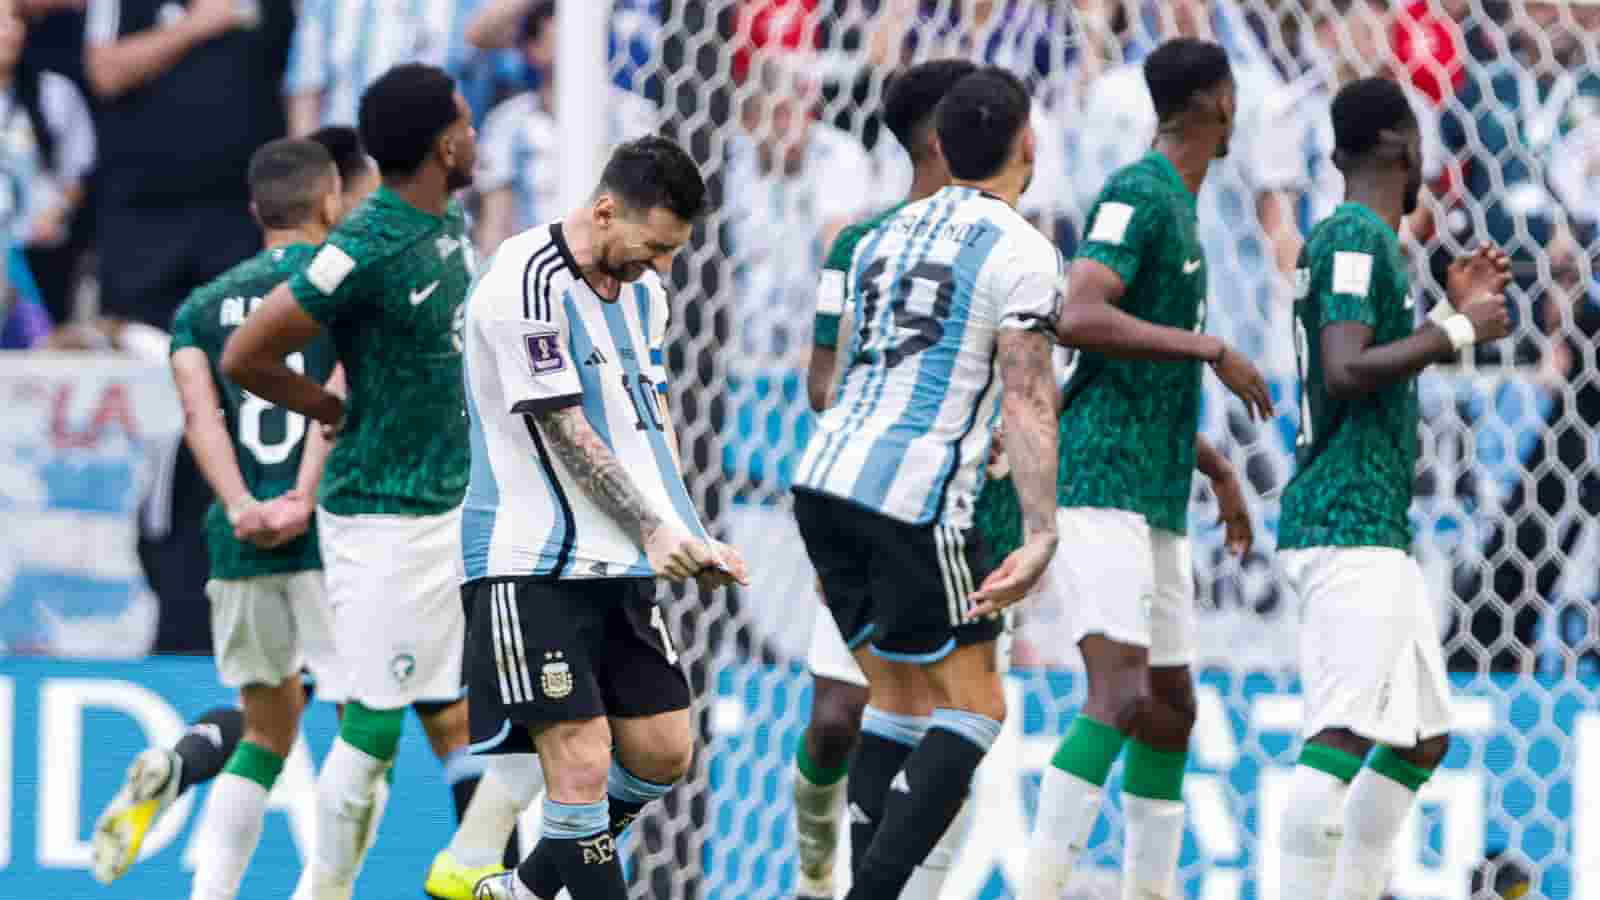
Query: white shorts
[(394, 583), (1370, 658), (829, 657), (1115, 576), (268, 627)]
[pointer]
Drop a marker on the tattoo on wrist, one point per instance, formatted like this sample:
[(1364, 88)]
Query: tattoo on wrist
[(592, 464)]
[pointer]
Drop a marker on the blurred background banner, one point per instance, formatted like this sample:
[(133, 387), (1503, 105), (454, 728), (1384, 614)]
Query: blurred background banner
[(1540, 804), (84, 441)]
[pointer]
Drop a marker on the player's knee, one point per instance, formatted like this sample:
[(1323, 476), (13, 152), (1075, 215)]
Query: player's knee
[(835, 722), (986, 698), (1429, 753), (375, 732)]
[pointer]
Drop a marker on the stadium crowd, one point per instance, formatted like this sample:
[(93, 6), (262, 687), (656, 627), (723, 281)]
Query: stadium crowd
[(126, 126)]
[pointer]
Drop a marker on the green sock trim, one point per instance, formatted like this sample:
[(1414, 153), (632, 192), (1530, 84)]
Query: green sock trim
[(375, 732), (256, 763), (1331, 760), (1156, 774), (816, 774), (1088, 750), (1392, 766)]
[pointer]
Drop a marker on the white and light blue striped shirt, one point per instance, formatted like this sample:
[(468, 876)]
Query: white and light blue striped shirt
[(931, 290)]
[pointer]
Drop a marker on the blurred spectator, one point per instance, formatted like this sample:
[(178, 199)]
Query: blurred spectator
[(1429, 45), (341, 46), (174, 208), (521, 145), (633, 48), (24, 324), (49, 141)]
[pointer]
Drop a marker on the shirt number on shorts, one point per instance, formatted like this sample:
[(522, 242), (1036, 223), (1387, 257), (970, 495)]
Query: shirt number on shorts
[(253, 409), (660, 625)]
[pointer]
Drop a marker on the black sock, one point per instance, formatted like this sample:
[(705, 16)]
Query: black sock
[(208, 743), (587, 866), (543, 876), (461, 793), (872, 767), (937, 778)]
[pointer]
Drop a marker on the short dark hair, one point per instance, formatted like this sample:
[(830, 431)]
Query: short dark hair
[(979, 120), (914, 95), (1363, 110), (1181, 68), (344, 145), (287, 180), (403, 113), (651, 172), (538, 18)]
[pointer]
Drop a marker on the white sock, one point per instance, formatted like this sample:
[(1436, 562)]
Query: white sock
[(928, 880), (1153, 836), (232, 827), (817, 810), (1068, 808), (1309, 838), (345, 810), (1374, 812), (380, 805), (508, 787)]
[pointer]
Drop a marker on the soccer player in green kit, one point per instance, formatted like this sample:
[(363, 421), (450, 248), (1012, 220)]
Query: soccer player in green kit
[(1135, 310), (387, 288), (1371, 668), (269, 614)]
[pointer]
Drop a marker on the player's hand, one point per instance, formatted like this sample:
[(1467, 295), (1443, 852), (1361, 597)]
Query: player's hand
[(1483, 272), (1234, 514), (249, 522), (211, 18), (999, 466), (727, 569), (1241, 376), (1490, 315), (1017, 575), (287, 517), (677, 556)]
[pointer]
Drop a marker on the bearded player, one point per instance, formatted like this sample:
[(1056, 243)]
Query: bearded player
[(388, 288), (1377, 701), (1136, 309)]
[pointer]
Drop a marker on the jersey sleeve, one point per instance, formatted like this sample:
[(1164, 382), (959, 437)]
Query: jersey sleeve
[(1345, 276), (1124, 225), (830, 287), (329, 288), (183, 329), (532, 354), (1027, 289)]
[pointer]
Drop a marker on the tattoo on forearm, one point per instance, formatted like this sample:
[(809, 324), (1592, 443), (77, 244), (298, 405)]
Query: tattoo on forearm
[(589, 461), (1030, 422)]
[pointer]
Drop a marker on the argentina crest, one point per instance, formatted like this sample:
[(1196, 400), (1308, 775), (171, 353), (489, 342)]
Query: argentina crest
[(555, 678)]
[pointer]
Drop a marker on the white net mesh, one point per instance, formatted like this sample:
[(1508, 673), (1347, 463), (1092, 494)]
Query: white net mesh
[(1507, 489)]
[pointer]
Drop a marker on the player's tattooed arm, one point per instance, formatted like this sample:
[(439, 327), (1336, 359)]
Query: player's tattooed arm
[(592, 464), (1028, 385)]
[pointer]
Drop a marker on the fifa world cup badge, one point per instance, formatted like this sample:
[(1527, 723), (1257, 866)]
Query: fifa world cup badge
[(556, 676)]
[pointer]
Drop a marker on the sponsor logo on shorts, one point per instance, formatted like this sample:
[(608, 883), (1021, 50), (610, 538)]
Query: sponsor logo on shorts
[(597, 851), (402, 667), (555, 678), (208, 730), (900, 783)]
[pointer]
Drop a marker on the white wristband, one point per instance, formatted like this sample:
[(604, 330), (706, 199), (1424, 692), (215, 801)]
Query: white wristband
[(1441, 311), (1460, 331)]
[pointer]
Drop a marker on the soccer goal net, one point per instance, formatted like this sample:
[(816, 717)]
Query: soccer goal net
[(779, 101)]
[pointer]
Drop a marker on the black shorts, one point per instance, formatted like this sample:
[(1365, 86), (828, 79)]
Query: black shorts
[(903, 588), (542, 651)]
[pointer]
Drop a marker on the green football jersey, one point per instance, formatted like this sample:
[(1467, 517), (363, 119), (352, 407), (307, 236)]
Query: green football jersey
[(1356, 458), (389, 287), (998, 517), (267, 440), (1128, 425), (831, 293)]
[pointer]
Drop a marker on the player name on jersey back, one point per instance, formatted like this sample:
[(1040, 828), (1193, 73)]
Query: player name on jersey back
[(931, 288), (538, 340)]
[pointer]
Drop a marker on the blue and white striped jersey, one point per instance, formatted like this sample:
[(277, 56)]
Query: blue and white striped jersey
[(537, 339), (931, 289), (520, 149), (342, 46)]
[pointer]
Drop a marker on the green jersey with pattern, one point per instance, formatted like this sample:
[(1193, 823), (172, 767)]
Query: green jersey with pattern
[(1356, 457), (1128, 425), (998, 517), (389, 287), (267, 440), (831, 292)]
